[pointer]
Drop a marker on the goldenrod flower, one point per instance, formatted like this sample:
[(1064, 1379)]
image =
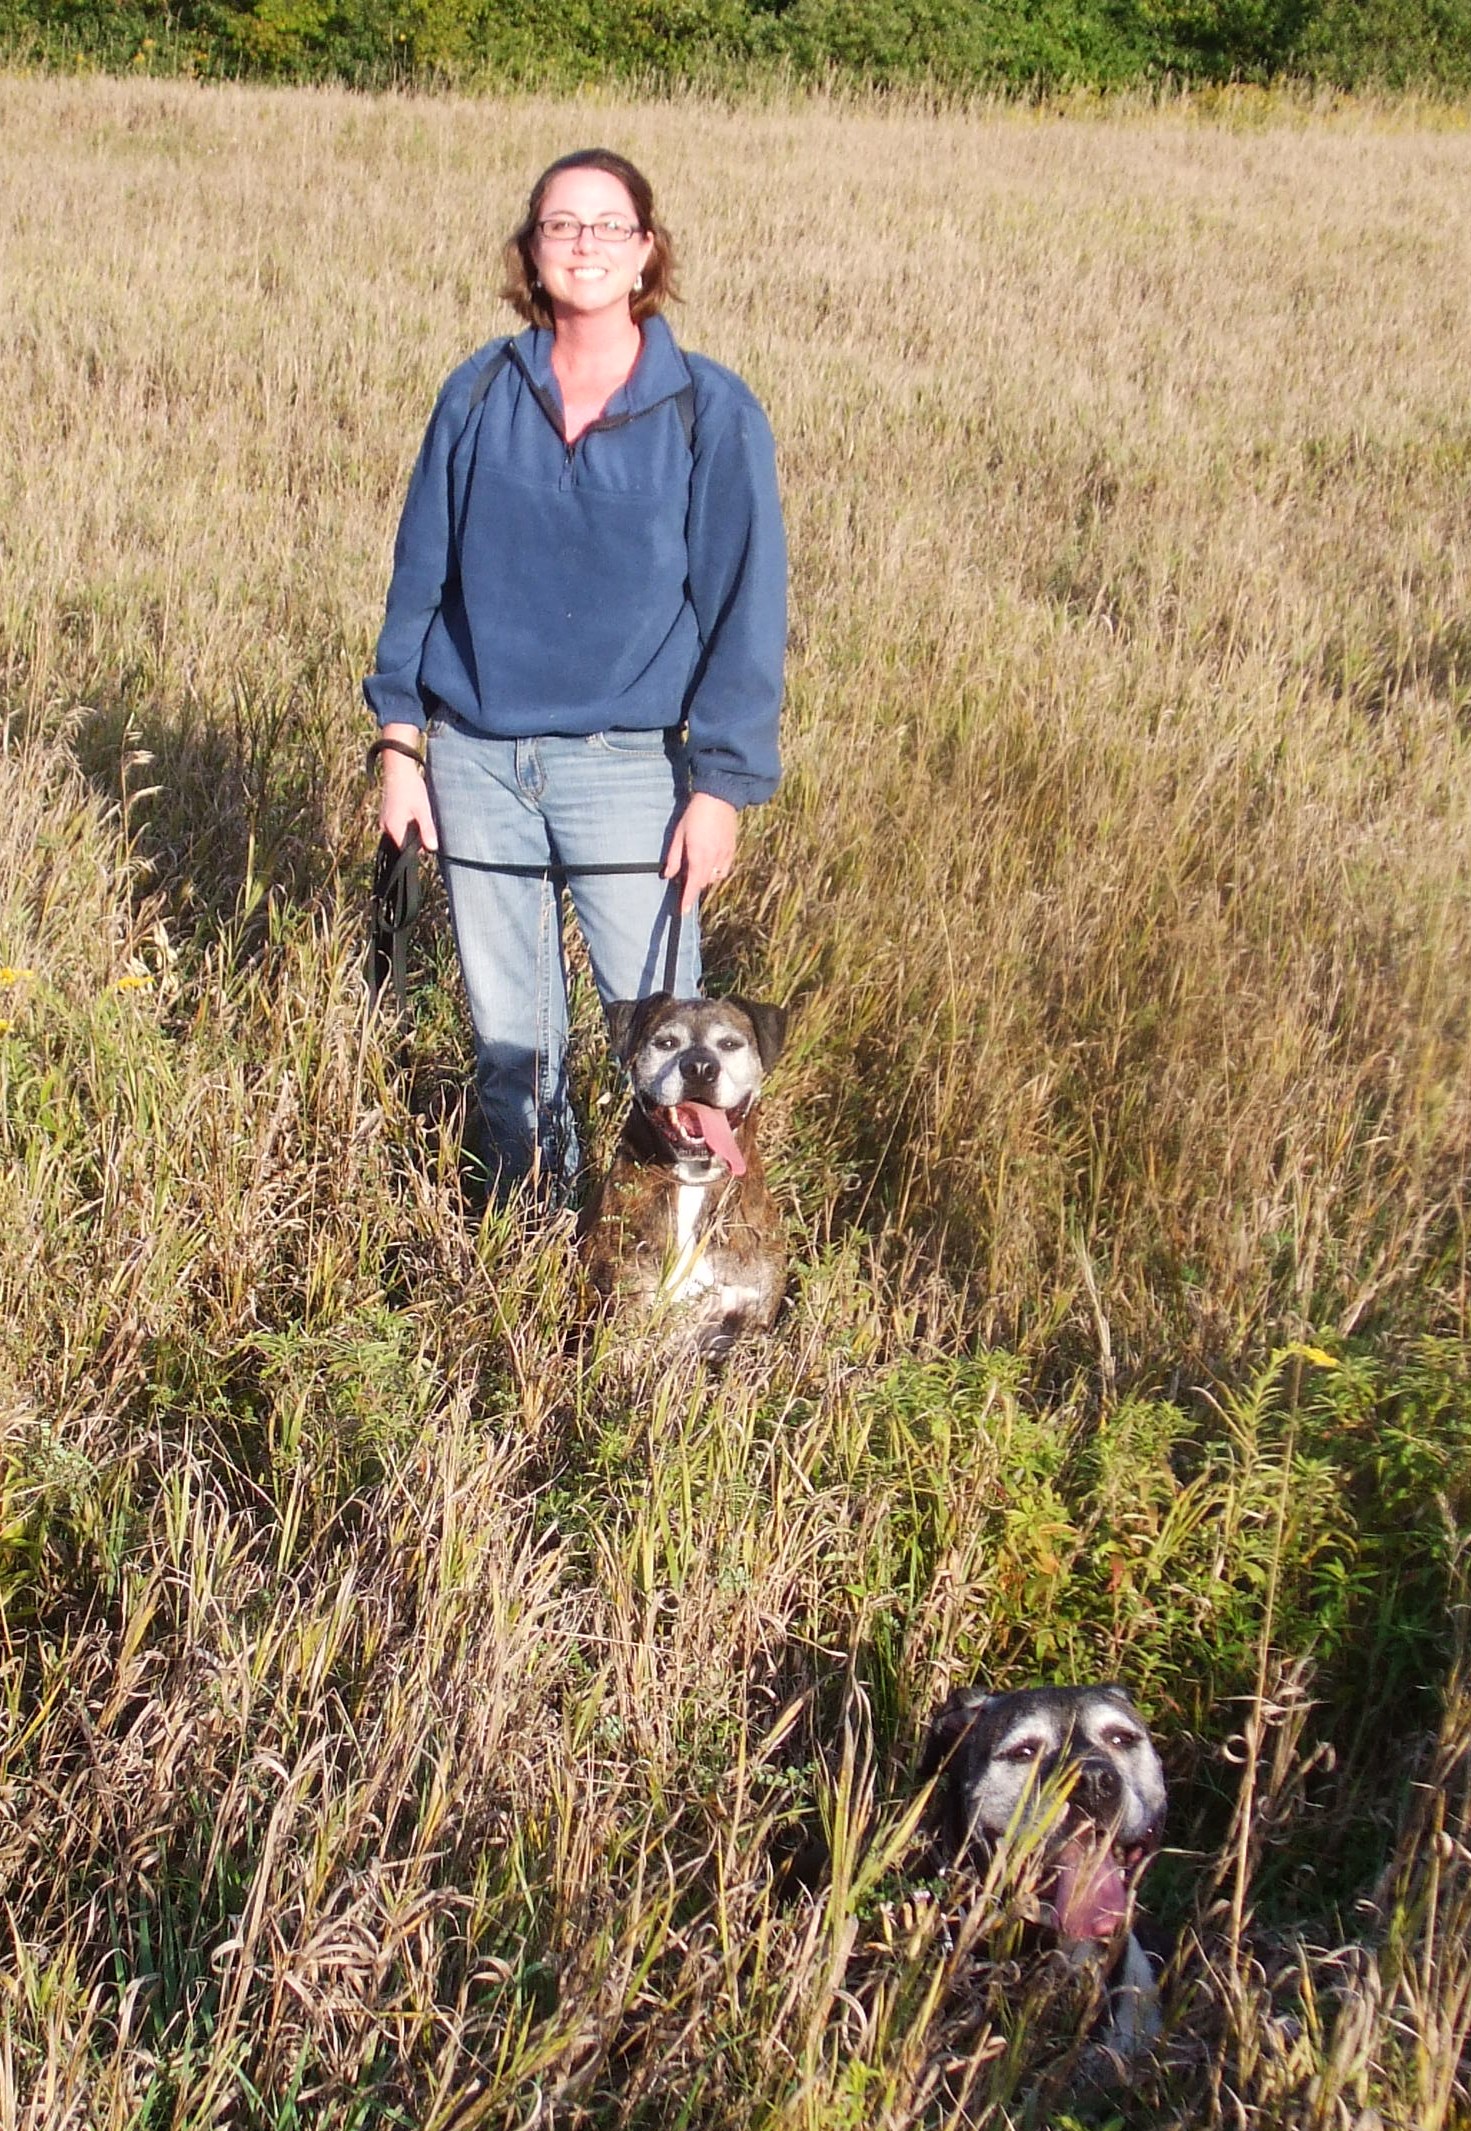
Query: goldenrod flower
[(1318, 1356)]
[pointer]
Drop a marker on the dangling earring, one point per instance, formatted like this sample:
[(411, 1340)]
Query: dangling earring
[(638, 284)]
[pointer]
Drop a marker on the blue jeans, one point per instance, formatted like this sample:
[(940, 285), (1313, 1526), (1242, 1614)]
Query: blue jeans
[(594, 800)]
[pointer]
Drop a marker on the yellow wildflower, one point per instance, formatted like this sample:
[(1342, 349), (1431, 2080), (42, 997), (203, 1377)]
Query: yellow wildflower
[(1318, 1356)]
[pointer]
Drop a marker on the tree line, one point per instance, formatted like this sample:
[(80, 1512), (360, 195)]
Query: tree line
[(959, 45)]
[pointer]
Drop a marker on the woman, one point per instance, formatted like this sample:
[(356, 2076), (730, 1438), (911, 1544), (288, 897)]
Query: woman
[(587, 618)]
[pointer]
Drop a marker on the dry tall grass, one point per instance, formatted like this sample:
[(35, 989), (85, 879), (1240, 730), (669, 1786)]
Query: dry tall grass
[(402, 1709), (1126, 464)]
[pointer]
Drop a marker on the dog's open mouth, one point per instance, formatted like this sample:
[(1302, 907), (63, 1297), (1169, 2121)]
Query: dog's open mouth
[(1090, 1895), (696, 1129)]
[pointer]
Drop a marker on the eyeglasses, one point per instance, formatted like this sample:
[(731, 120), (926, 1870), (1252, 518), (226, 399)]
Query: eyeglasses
[(566, 229)]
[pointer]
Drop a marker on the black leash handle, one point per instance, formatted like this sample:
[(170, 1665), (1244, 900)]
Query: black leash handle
[(396, 902), (384, 746)]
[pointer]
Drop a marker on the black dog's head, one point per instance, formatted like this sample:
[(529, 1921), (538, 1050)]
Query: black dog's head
[(697, 1066), (1072, 1769)]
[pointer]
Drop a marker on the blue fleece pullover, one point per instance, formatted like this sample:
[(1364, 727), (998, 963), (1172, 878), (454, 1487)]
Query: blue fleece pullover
[(633, 581)]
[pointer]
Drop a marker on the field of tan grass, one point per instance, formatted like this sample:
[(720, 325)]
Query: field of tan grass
[(402, 1708)]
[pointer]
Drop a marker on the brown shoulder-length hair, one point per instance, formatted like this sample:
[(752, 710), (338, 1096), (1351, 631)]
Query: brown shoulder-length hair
[(525, 292)]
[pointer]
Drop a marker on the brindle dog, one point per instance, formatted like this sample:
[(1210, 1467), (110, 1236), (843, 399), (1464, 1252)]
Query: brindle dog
[(683, 1226)]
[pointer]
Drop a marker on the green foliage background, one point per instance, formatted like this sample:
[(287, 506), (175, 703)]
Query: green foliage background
[(1022, 45)]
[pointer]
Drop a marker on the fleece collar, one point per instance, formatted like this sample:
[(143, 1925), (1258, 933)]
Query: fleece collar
[(660, 373)]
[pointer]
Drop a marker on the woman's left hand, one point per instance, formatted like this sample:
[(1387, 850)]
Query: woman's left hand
[(702, 847)]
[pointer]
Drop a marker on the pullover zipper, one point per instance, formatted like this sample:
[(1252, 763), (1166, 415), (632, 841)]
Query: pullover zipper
[(604, 422)]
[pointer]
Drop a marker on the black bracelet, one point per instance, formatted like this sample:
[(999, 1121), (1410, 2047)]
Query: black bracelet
[(393, 747)]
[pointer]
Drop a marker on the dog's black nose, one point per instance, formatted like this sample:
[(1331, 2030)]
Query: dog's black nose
[(1099, 1789), (702, 1068)]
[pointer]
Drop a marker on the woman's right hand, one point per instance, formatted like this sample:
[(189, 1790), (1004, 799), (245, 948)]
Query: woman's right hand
[(405, 796)]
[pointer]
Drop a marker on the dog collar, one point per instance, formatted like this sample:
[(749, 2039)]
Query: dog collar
[(707, 1172)]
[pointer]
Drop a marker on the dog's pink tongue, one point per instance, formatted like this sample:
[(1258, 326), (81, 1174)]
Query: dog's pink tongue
[(718, 1137), (1090, 1897)]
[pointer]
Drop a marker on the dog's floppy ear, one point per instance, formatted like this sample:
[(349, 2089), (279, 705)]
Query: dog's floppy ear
[(1117, 1692), (949, 1725), (770, 1024), (626, 1019)]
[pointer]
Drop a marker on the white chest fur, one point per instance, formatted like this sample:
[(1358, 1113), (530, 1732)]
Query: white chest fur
[(689, 1204), (688, 1274)]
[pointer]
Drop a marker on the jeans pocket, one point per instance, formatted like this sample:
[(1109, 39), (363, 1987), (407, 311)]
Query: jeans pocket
[(628, 741)]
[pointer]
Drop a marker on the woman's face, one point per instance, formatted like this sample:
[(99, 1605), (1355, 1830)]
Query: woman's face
[(586, 273)]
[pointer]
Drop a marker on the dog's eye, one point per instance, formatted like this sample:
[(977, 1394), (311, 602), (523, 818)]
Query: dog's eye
[(1024, 1750), (1124, 1741), (666, 1043), (729, 1043)]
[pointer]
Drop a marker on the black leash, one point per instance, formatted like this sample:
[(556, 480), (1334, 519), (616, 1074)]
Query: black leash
[(394, 907), (397, 898)]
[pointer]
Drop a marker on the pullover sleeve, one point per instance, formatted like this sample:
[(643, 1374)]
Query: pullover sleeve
[(423, 557), (738, 588)]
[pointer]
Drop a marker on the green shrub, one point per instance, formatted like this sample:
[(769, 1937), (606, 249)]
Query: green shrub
[(1027, 45)]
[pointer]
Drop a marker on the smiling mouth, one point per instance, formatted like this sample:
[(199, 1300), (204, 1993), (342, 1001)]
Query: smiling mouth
[(1090, 1894), (698, 1131)]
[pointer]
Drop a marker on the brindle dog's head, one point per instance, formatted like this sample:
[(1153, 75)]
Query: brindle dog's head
[(1071, 1768), (697, 1066)]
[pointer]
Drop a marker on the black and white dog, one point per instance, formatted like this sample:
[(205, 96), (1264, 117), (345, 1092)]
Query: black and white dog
[(1070, 1774)]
